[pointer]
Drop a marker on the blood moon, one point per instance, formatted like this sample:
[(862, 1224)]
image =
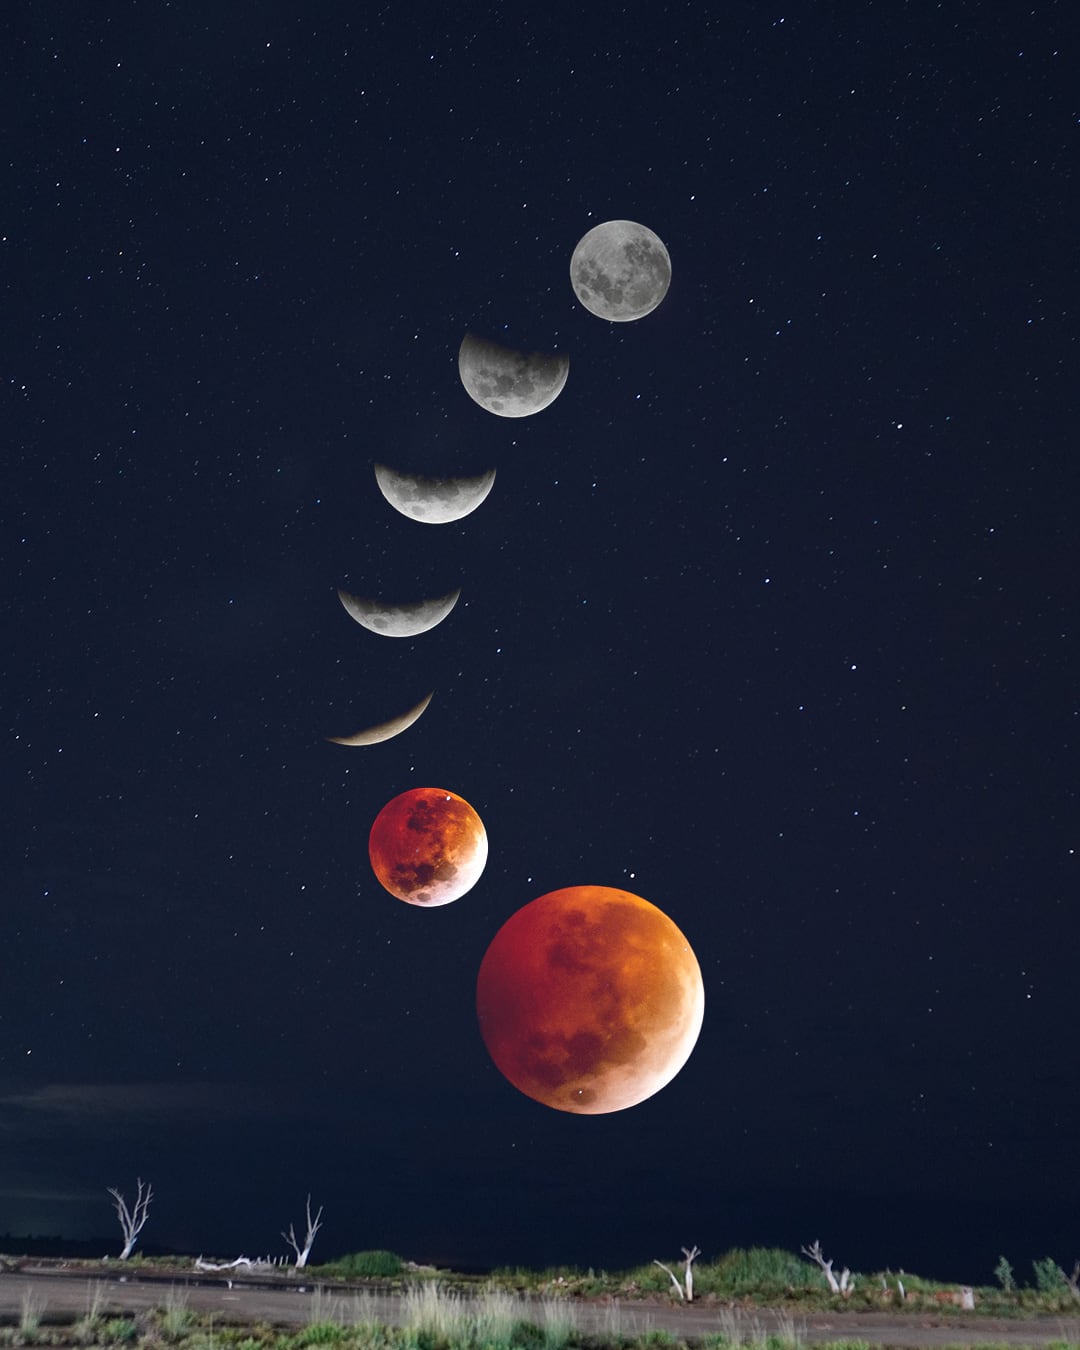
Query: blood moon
[(428, 846), (590, 999)]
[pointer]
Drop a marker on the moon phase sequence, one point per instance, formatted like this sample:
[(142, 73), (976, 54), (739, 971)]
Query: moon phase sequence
[(589, 999), (428, 847), (399, 620), (620, 271), (385, 731), (434, 501), (507, 382)]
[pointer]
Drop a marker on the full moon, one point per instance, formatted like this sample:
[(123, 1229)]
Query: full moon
[(620, 271), (510, 383), (589, 999), (428, 847)]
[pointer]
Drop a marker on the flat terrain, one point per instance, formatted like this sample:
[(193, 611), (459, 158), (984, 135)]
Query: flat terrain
[(63, 1297)]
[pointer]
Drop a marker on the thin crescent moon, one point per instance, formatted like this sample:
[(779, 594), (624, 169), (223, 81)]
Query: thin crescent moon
[(384, 731), (433, 501), (398, 620)]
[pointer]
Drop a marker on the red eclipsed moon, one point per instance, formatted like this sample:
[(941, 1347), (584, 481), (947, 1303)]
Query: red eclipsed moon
[(590, 999), (428, 846)]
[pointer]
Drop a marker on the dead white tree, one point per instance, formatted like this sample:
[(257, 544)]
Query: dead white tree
[(887, 1292), (313, 1226), (686, 1294), (246, 1261), (846, 1282), (133, 1220)]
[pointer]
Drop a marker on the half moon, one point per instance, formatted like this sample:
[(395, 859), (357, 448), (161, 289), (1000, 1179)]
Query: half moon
[(435, 501), (507, 382), (384, 731), (399, 620), (620, 271)]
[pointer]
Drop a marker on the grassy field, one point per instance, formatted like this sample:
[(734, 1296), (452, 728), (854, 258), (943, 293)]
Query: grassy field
[(746, 1277), (517, 1309)]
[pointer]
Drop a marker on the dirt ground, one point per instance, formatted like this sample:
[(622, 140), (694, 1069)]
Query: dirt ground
[(63, 1297)]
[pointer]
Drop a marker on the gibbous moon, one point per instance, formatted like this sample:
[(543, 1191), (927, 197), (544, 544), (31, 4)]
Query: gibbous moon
[(435, 501), (589, 999), (399, 620), (428, 847), (620, 271), (510, 383), (384, 731)]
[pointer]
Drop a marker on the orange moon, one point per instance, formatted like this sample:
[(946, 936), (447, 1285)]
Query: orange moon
[(428, 847), (590, 999)]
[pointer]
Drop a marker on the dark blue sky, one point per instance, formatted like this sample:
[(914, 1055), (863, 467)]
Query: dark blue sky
[(769, 618)]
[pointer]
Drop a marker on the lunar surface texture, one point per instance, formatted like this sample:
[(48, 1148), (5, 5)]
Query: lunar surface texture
[(434, 501), (589, 999), (507, 382), (384, 731), (428, 847), (620, 271), (399, 620)]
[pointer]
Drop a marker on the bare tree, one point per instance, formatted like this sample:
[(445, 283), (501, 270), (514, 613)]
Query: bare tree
[(132, 1221), (313, 1226), (688, 1294), (846, 1283), (1073, 1280)]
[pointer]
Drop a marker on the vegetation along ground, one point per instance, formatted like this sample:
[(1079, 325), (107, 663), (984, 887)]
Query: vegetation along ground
[(758, 1299)]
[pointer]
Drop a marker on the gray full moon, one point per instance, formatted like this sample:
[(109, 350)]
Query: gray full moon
[(620, 271), (507, 382), (435, 501), (384, 731), (399, 620)]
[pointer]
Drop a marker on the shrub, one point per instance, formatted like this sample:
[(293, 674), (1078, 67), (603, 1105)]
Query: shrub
[(119, 1331), (1003, 1273), (177, 1318), (759, 1270), (373, 1265), (320, 1333), (1049, 1277)]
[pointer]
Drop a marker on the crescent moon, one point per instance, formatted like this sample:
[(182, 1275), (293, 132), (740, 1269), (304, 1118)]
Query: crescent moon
[(508, 382), (398, 620), (384, 731), (435, 501), (620, 270)]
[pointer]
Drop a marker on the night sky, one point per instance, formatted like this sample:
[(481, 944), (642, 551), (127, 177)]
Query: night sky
[(769, 618)]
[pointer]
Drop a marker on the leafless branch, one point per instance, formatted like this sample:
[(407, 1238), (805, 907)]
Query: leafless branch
[(133, 1220), (846, 1282), (690, 1254), (674, 1280), (687, 1293), (313, 1226)]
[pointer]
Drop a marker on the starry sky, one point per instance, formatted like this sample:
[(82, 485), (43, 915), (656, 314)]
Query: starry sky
[(769, 618)]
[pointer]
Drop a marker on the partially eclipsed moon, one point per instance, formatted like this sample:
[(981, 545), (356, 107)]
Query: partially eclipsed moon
[(399, 620), (620, 270), (428, 846), (510, 383), (384, 731), (435, 501), (589, 999)]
